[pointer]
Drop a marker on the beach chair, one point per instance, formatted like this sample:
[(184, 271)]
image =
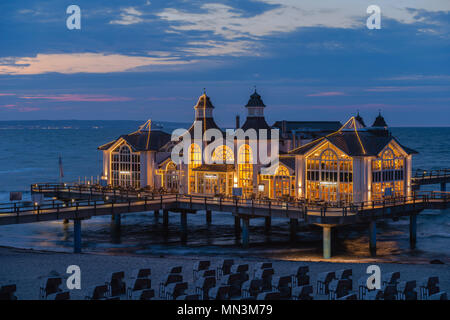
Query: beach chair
[(362, 288), (171, 278), (438, 296), (323, 279), (224, 268), (301, 278), (116, 284), (234, 282), (208, 273), (406, 290), (261, 265), (141, 273), (350, 296), (270, 295), (302, 293), (390, 278), (174, 290), (200, 266), (7, 292), (145, 294), (64, 295), (219, 293), (347, 275), (429, 286), (251, 288), (337, 289), (176, 270), (203, 285), (266, 276), (239, 268), (98, 293), (138, 285), (49, 286), (283, 285)]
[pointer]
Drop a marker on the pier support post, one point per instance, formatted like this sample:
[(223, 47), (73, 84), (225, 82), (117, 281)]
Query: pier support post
[(156, 215), (373, 238), (245, 232), (293, 229), (183, 217), (412, 231), (267, 224), (326, 242), (117, 221), (166, 218), (77, 236), (208, 217), (237, 226), (443, 187)]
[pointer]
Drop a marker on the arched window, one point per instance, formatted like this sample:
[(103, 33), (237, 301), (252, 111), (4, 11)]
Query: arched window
[(125, 167), (282, 171), (388, 174), (171, 177), (195, 160), (282, 182), (223, 154), (245, 164), (329, 176)]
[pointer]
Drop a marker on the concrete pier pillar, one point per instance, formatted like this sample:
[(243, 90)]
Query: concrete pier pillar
[(373, 238), (245, 232), (412, 231), (208, 217), (166, 218), (443, 187), (267, 224), (77, 236), (293, 229), (237, 226), (326, 242), (183, 221)]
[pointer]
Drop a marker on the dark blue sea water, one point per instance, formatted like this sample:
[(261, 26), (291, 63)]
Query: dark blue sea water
[(29, 153)]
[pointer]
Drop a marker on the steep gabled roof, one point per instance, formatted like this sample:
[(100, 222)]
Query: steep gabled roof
[(204, 102), (142, 140)]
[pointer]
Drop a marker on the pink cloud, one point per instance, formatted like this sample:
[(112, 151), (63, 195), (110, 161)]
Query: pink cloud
[(78, 98), (326, 94), (7, 94)]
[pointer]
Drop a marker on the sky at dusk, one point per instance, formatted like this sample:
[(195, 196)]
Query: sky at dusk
[(310, 60)]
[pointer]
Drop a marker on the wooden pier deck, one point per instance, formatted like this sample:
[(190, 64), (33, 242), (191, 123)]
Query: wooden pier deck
[(84, 201)]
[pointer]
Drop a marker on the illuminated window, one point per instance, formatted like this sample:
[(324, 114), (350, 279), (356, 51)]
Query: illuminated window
[(125, 167), (388, 174), (223, 154), (195, 160), (282, 182), (329, 175), (170, 177), (245, 164)]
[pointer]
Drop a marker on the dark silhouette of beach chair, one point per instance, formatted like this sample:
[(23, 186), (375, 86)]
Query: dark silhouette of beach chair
[(219, 293), (251, 288), (99, 293), (323, 279), (390, 278), (64, 295), (337, 289), (270, 295), (200, 266), (176, 270), (266, 277), (438, 296), (302, 292), (261, 265), (139, 284), (283, 285), (239, 268), (174, 290), (429, 286), (208, 273), (7, 292), (301, 278), (146, 294), (389, 292), (116, 284), (234, 281), (224, 268), (49, 286), (406, 290), (171, 278), (203, 285), (347, 275), (141, 273)]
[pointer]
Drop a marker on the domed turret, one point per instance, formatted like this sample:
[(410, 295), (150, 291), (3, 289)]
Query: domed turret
[(360, 120), (255, 113), (379, 122)]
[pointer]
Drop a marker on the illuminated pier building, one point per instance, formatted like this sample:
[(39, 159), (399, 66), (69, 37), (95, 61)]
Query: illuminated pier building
[(318, 161)]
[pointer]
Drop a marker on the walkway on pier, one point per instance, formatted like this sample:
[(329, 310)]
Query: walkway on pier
[(426, 177)]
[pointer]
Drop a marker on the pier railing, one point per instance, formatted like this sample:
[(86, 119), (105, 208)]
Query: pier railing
[(431, 174)]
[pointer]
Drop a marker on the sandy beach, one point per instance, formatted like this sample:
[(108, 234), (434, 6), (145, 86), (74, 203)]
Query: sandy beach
[(26, 268)]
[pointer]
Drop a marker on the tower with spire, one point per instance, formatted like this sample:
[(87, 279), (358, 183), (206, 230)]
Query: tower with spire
[(255, 113)]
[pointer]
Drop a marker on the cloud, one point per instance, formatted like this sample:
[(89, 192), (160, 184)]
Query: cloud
[(7, 94), (129, 16), (221, 48), (326, 94), (69, 63), (78, 98), (289, 15)]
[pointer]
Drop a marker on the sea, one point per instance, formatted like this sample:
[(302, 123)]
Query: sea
[(29, 153)]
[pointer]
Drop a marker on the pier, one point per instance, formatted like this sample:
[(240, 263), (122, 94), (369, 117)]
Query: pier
[(81, 202)]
